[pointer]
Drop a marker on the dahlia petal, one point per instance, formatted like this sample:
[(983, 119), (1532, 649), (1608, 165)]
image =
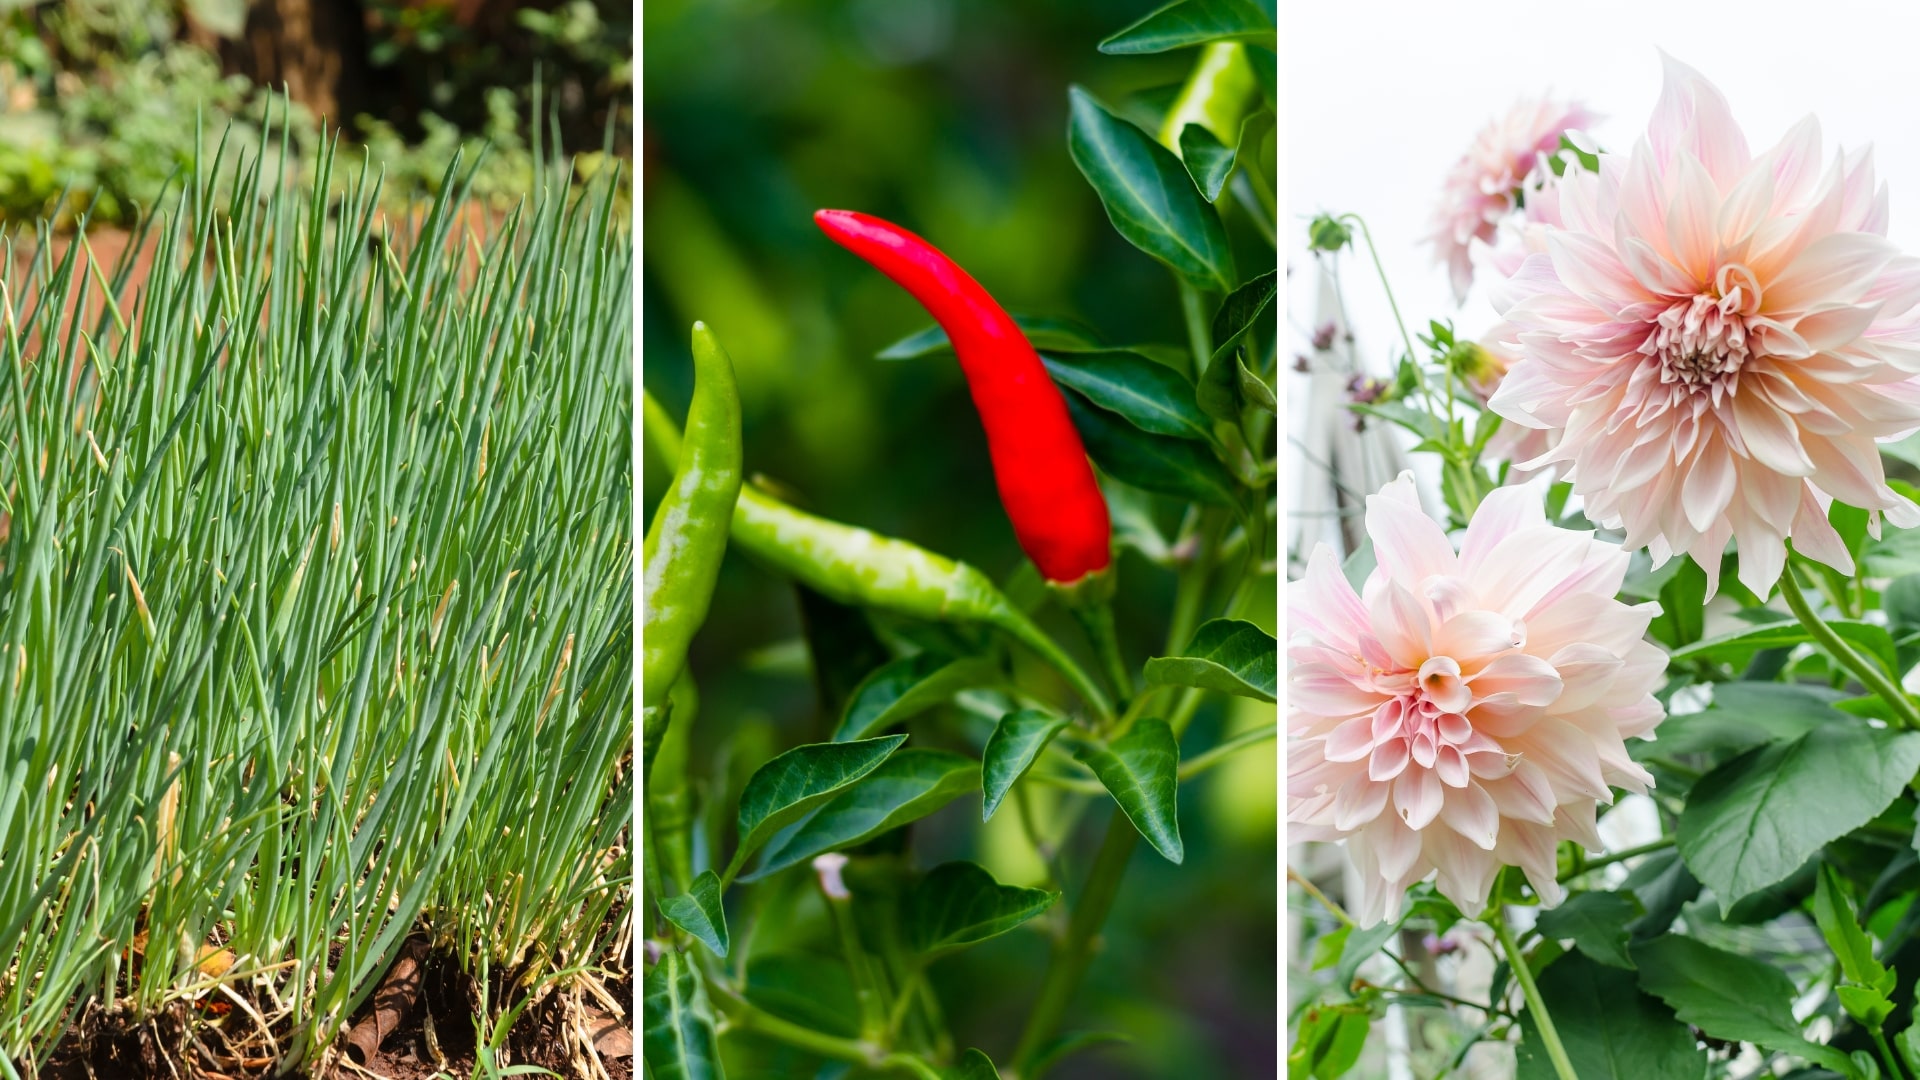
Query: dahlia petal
[(1417, 797), (1530, 679), (1407, 544), (1358, 802), (1471, 812)]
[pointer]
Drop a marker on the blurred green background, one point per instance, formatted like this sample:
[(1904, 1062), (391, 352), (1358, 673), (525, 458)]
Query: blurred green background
[(104, 100), (949, 117)]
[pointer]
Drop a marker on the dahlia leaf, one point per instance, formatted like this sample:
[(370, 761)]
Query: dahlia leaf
[(1610, 1029), (1596, 922), (1728, 996), (1757, 818)]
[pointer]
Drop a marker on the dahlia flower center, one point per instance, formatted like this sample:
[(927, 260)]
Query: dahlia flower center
[(1701, 342)]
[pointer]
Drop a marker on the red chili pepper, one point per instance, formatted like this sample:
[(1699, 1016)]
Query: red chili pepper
[(1046, 483)]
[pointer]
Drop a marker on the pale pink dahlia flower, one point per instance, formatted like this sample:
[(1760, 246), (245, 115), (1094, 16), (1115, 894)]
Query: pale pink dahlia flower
[(1715, 340), (1468, 711), (1481, 188)]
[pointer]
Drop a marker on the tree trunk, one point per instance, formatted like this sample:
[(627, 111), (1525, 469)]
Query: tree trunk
[(316, 49)]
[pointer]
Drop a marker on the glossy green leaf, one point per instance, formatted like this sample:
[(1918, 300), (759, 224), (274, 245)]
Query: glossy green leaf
[(1179, 467), (958, 904), (1255, 389), (1012, 748), (678, 1039), (1746, 714), (1148, 195), (1071, 1043), (1738, 647), (1240, 313), (906, 687), (974, 1065), (1865, 997), (905, 788), (1208, 161), (1609, 1028), (1141, 770), (1596, 922), (1755, 819), (1728, 996), (784, 789), (1232, 656), (1192, 22), (1329, 1041), (699, 912), (1043, 332), (796, 986), (1150, 395)]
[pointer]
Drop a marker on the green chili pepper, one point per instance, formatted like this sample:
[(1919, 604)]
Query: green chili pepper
[(688, 534), (855, 566)]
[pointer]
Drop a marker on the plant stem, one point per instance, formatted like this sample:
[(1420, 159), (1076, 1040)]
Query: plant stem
[(1096, 618), (1199, 330), (1207, 759), (1075, 951), (1894, 1072), (1020, 627), (1313, 890), (1405, 338), (1542, 1021), (1863, 669), (751, 1018), (1609, 859)]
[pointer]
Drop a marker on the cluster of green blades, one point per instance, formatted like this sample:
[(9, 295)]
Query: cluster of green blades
[(315, 604)]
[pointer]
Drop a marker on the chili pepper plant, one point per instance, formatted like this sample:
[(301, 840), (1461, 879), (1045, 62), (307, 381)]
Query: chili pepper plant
[(315, 609), (802, 899), (1603, 752)]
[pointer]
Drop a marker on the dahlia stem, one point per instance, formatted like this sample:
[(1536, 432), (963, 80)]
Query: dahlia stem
[(1542, 1021), (1863, 669)]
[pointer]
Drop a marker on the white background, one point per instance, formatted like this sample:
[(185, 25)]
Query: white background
[(1383, 97)]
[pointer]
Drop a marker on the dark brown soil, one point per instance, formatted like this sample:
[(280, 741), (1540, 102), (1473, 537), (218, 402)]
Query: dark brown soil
[(437, 1039)]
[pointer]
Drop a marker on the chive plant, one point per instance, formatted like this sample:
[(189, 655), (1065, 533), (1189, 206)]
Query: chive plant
[(315, 617)]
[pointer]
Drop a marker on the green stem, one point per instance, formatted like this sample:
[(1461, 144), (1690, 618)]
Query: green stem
[(1542, 1020), (1096, 618), (1072, 954), (1894, 1072), (866, 987), (748, 1017), (1023, 629), (1609, 859), (1380, 269), (1313, 890), (1207, 759), (1863, 669), (1199, 329)]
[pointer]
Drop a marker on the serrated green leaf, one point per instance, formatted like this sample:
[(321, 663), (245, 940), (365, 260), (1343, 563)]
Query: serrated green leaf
[(1043, 332), (699, 912), (1232, 656), (1170, 466), (1749, 822), (958, 904), (1610, 1030), (784, 789), (1240, 313), (1012, 748), (1150, 395), (678, 1036), (1596, 922), (974, 1065), (903, 688), (1141, 770), (1192, 22), (1745, 714), (1148, 195), (1728, 996), (905, 788), (1208, 161), (1833, 913)]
